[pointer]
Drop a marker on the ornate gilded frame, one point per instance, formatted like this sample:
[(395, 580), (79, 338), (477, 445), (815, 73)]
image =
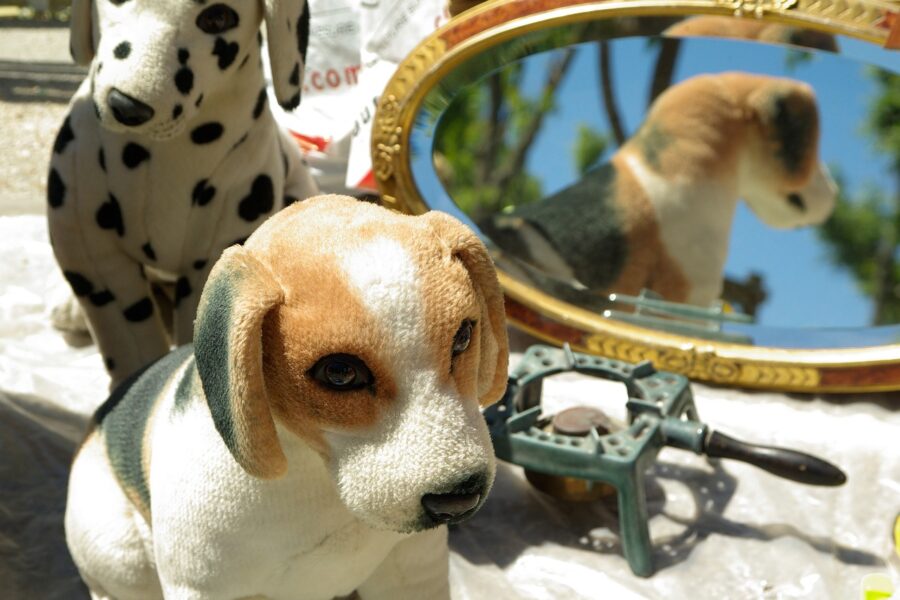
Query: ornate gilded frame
[(826, 370)]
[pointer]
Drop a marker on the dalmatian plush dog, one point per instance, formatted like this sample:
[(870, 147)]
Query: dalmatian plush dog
[(658, 215), (321, 430), (169, 154)]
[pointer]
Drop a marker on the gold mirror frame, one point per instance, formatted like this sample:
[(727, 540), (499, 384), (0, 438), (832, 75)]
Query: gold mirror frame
[(874, 368)]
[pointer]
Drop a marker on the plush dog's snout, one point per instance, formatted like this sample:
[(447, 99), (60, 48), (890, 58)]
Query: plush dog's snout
[(127, 110)]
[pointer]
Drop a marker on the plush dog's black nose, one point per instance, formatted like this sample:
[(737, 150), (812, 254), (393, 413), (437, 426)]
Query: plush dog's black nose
[(449, 508), (127, 110), (459, 503)]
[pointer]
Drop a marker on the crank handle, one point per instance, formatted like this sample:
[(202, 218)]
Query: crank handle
[(790, 464)]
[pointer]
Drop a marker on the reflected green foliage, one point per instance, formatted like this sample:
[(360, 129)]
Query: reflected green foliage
[(590, 146), (485, 135), (863, 232)]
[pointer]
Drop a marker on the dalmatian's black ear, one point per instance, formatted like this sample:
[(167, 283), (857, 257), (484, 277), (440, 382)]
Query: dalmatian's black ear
[(238, 295), (287, 33), (81, 32)]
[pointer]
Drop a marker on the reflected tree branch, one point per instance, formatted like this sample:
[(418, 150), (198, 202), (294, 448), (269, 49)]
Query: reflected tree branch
[(520, 152), (665, 67), (607, 90), (496, 130)]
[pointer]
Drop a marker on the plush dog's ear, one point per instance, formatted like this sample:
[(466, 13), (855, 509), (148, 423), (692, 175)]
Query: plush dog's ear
[(494, 345), (239, 293), (81, 28), (287, 34), (790, 119)]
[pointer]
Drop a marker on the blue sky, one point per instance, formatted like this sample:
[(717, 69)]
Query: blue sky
[(805, 290)]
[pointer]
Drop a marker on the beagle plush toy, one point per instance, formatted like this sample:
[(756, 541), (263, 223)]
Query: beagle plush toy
[(658, 215), (320, 432), (168, 155)]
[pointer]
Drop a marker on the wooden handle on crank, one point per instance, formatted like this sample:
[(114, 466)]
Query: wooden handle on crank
[(790, 464)]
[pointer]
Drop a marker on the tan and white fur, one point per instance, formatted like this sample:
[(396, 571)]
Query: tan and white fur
[(168, 155), (230, 469), (658, 215)]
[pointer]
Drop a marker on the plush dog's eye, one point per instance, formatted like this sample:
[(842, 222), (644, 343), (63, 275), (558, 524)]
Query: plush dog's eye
[(218, 18), (342, 372), (463, 337)]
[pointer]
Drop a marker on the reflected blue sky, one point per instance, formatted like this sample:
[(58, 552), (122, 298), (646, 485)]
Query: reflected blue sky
[(804, 289)]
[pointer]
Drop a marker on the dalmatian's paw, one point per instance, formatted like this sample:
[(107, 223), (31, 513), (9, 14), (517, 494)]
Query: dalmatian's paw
[(68, 317)]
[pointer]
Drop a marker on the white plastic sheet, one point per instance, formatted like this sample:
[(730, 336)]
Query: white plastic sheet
[(720, 530)]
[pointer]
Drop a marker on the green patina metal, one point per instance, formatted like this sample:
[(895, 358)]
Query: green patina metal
[(661, 412)]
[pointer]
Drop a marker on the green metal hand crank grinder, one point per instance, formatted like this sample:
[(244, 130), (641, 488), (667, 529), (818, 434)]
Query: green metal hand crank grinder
[(661, 412)]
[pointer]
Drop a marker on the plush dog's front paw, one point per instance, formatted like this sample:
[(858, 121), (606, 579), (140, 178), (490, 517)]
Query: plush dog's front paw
[(68, 316)]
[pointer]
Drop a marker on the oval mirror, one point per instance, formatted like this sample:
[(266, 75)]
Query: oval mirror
[(713, 186)]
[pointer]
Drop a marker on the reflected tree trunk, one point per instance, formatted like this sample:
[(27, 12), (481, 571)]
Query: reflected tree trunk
[(608, 92), (665, 67), (496, 130), (546, 103), (886, 284)]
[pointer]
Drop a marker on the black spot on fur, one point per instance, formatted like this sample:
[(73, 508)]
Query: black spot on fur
[(64, 136), (202, 194), (199, 264), (226, 51), (109, 216), (260, 103), (184, 80), (295, 75), (80, 284), (207, 133), (291, 104), (148, 251), (122, 51), (56, 189), (139, 311), (303, 31), (199, 101), (260, 201), (183, 55), (176, 112), (101, 298), (110, 364), (134, 154), (288, 200), (102, 158), (182, 290)]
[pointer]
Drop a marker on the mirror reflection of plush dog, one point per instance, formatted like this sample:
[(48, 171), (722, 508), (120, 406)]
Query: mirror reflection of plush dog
[(658, 215), (168, 155), (322, 428)]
